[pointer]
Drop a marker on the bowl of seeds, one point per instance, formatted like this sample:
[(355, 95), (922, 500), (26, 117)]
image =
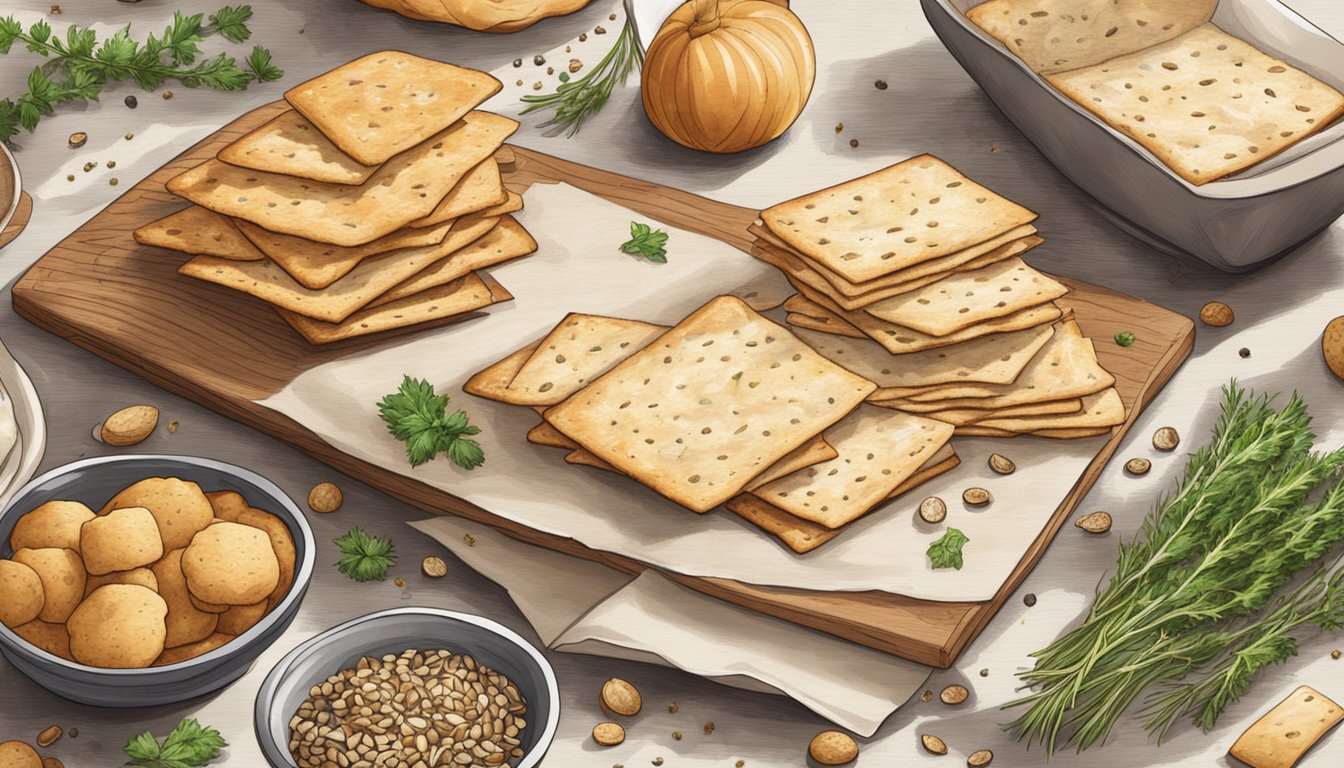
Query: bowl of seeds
[(410, 686)]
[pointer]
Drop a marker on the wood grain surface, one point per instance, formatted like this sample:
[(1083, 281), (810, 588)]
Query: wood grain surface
[(22, 213), (125, 302)]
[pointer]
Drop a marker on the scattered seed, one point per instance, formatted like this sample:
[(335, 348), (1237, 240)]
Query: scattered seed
[(984, 672), (1125, 339), (89, 167), (520, 82), (49, 735), (676, 735), (933, 745), (1335, 654), (833, 748), (74, 733), (112, 182), (1216, 314), (854, 143), (1095, 522), (325, 497), (1001, 464), (130, 425), (995, 148), (880, 85), (709, 728), (657, 761), (1138, 467), (932, 510), (400, 582), (927, 695), (583, 37), (434, 567), (55, 10), (620, 698), (954, 694), (1166, 439), (550, 70), (129, 135), (612, 17), (976, 497), (538, 60), (517, 62), (70, 177), (536, 86), (599, 30), (839, 127), (78, 139), (167, 95), (173, 426), (111, 164), (608, 734), (1244, 352), (1029, 599), (575, 65), (471, 540), (673, 707), (740, 763), (979, 758), (131, 102)]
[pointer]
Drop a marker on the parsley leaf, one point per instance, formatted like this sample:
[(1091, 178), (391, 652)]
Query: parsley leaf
[(259, 64), (418, 417), (189, 745), (1124, 338), (646, 242), (364, 557), (946, 552)]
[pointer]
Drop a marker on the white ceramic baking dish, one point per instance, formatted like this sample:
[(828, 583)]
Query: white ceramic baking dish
[(1236, 223)]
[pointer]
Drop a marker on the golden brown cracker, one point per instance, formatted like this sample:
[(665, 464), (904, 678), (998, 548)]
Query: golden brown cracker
[(53, 524), (120, 626), (185, 622), (120, 540), (21, 594), (179, 507), (63, 576), (231, 563), (199, 231)]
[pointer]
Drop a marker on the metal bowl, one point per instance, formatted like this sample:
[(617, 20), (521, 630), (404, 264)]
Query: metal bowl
[(11, 186), (394, 631), (1236, 223), (94, 481)]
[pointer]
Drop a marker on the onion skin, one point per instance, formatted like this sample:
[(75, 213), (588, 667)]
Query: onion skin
[(726, 76)]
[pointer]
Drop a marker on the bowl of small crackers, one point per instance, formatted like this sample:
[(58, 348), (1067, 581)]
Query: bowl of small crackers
[(130, 581)]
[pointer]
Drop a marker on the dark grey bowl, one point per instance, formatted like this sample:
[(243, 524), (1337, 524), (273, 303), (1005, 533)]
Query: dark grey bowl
[(394, 631), (94, 481)]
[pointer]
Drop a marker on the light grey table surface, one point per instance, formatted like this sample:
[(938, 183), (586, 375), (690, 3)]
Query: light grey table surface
[(930, 106)]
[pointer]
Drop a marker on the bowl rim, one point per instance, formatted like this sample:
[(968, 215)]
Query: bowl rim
[(303, 569), (13, 164), (265, 701)]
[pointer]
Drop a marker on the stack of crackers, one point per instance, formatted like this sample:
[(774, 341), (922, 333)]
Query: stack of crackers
[(368, 206), (726, 408), (913, 278)]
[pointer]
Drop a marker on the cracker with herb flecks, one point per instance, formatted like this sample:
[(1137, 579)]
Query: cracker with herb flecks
[(961, 417), (406, 188), (964, 299), (199, 231), (494, 379), (507, 241), (387, 102), (578, 350), (293, 146), (1101, 409), (1207, 104), (878, 450), (805, 313), (1056, 35), (456, 300), (710, 404), (803, 536), (912, 212), (994, 359), (479, 190)]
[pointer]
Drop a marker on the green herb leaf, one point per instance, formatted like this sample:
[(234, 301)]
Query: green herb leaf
[(189, 745), (946, 551), (259, 64), (577, 100), (231, 22), (646, 242), (1124, 338), (364, 557), (417, 416)]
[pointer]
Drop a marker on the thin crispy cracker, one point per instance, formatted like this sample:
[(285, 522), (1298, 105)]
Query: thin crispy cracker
[(812, 452), (1207, 104), (805, 313), (975, 430), (802, 536), (505, 242), (1101, 409), (454, 300), (964, 299), (493, 380), (387, 102), (404, 189), (710, 404), (578, 350), (199, 231), (293, 146), (480, 189), (963, 416), (909, 213)]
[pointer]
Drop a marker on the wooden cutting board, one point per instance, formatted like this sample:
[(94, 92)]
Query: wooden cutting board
[(126, 302)]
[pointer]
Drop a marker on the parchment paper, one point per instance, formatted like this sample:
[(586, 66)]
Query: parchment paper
[(579, 268), (578, 606)]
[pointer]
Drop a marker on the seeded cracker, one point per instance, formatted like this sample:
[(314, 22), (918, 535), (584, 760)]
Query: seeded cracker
[(505, 242), (710, 405), (405, 189), (481, 187), (199, 231), (387, 102), (293, 146), (912, 212), (966, 298), (578, 350)]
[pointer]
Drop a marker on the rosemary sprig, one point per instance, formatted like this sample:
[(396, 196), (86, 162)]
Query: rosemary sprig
[(78, 67), (577, 100), (1192, 606)]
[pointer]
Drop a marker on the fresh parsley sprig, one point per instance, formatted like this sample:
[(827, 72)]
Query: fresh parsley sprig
[(78, 67), (946, 551), (189, 745), (417, 416), (364, 557), (647, 242)]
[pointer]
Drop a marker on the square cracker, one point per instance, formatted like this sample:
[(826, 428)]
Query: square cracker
[(895, 218), (505, 242), (199, 231), (293, 146), (710, 404), (1101, 409), (1288, 731), (1207, 104), (1056, 35), (975, 430), (318, 265), (454, 301), (578, 350), (406, 188), (803, 536), (878, 450), (961, 417), (482, 187), (965, 298), (387, 102), (493, 380), (994, 359)]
